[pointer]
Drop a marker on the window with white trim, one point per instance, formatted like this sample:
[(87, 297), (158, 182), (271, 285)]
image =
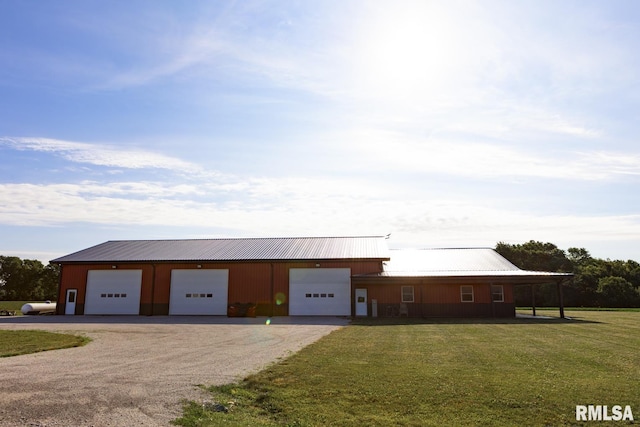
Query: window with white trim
[(497, 293), (466, 293), (407, 294)]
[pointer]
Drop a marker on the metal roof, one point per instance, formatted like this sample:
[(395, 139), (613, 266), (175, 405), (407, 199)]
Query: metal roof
[(252, 249), (463, 262)]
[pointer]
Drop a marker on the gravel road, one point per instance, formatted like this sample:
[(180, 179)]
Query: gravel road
[(138, 370)]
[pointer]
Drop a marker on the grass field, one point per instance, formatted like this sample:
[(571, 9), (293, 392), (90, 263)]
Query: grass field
[(443, 373), (14, 343), (528, 309), (13, 306)]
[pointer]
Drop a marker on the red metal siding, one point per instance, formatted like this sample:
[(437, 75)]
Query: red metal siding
[(281, 275), (434, 293), (248, 281), (508, 294), (75, 277), (436, 299), (162, 281)]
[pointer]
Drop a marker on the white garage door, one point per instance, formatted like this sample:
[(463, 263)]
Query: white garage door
[(320, 292), (113, 292), (199, 292)]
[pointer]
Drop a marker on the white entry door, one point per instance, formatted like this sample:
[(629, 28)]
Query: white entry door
[(361, 302), (199, 292), (70, 302), (320, 292)]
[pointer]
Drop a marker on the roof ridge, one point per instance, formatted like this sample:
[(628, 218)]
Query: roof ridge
[(442, 249), (247, 238)]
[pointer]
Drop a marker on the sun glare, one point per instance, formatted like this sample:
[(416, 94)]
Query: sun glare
[(405, 51)]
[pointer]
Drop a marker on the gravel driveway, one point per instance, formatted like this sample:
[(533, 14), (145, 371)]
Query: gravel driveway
[(137, 370)]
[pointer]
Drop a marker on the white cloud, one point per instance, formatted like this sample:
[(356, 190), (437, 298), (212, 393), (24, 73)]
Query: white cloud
[(608, 164), (451, 223), (287, 208), (99, 154), (447, 156), (291, 207)]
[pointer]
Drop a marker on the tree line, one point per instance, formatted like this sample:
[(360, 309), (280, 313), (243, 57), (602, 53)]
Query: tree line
[(27, 280), (596, 282)]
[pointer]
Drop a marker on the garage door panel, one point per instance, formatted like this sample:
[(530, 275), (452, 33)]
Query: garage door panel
[(113, 292), (320, 291), (199, 292)]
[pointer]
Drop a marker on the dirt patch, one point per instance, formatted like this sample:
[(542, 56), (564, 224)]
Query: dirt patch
[(138, 370)]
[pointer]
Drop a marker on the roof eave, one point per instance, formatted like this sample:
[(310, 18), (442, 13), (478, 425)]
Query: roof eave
[(217, 261), (516, 279)]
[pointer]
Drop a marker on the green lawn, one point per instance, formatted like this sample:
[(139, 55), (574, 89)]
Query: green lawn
[(14, 343), (443, 373)]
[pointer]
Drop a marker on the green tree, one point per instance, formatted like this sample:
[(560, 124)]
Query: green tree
[(584, 286), (616, 291), (22, 280), (536, 256), (578, 256), (596, 282), (11, 277), (50, 281)]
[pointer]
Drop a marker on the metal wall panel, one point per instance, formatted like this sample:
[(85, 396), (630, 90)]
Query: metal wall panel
[(263, 283), (75, 277), (432, 292)]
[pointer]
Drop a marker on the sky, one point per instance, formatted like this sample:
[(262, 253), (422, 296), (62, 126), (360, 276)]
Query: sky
[(445, 124)]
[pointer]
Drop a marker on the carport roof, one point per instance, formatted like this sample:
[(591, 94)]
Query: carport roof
[(456, 262), (252, 249)]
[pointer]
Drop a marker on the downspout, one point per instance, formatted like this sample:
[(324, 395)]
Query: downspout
[(421, 298), (272, 295), (59, 292)]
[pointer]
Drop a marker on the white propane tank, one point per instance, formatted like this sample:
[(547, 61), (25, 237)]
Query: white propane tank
[(39, 308)]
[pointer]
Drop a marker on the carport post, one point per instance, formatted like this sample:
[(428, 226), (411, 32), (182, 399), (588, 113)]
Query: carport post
[(533, 298), (560, 299)]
